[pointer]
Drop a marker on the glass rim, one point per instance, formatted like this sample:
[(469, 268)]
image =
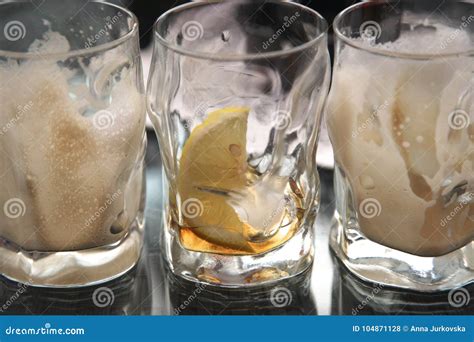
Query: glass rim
[(385, 52), (77, 52), (238, 57)]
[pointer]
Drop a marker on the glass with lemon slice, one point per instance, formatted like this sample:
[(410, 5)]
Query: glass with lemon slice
[(237, 113)]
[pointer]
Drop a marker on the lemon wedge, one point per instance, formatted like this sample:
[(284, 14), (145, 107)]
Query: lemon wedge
[(213, 164)]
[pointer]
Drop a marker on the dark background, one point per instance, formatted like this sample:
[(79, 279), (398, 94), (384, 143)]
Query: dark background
[(148, 11)]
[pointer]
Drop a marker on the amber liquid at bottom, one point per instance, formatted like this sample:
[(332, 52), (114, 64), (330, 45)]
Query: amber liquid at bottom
[(288, 223)]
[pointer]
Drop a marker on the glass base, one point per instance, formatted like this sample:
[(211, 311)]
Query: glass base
[(72, 268), (376, 263), (287, 260)]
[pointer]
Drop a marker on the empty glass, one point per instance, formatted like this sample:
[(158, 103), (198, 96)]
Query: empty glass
[(235, 95), (400, 119), (72, 142)]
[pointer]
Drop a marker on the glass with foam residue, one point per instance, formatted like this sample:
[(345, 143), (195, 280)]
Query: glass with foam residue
[(72, 143), (400, 118)]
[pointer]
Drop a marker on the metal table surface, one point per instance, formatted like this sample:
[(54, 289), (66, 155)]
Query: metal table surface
[(150, 289)]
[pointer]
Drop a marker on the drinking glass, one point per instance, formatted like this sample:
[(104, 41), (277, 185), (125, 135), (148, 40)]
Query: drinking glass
[(235, 94), (400, 118), (72, 142)]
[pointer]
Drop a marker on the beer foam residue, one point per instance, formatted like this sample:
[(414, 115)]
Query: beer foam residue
[(431, 38), (67, 152)]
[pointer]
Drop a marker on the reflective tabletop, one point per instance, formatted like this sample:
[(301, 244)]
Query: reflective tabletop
[(151, 289)]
